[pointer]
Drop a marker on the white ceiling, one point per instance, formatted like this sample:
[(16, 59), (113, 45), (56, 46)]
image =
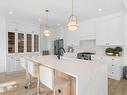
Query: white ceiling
[(31, 10), (125, 3)]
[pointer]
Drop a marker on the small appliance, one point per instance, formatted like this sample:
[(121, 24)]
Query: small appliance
[(85, 55)]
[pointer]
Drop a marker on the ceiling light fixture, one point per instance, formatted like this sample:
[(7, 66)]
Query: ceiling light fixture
[(47, 33), (39, 20), (72, 22), (10, 12), (58, 24), (100, 9)]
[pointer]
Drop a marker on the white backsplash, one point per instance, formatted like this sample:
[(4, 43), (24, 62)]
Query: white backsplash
[(86, 46)]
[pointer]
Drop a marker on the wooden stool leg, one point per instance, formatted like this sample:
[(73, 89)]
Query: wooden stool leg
[(54, 92), (38, 85)]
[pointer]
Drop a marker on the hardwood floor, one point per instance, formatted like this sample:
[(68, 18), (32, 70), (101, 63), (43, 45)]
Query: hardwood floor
[(117, 87), (13, 84)]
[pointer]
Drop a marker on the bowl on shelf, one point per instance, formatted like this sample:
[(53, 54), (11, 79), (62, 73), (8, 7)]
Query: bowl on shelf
[(110, 54)]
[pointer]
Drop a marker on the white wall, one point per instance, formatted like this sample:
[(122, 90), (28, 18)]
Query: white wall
[(125, 3), (125, 39), (2, 44)]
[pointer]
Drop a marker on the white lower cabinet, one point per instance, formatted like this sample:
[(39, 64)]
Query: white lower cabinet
[(13, 61), (10, 66), (18, 66), (115, 66)]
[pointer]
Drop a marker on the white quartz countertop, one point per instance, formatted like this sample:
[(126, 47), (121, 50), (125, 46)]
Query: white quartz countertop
[(84, 71)]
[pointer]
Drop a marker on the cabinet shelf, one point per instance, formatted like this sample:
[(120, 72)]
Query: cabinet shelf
[(17, 41), (11, 42)]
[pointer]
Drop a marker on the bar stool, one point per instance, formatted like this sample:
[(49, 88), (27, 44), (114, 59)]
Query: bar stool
[(24, 65), (54, 83), (33, 70)]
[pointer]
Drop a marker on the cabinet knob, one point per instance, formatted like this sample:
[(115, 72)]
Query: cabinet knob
[(112, 59), (112, 65), (112, 72)]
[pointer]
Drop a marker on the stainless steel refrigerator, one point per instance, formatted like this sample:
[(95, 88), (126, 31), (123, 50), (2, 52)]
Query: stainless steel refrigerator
[(58, 44)]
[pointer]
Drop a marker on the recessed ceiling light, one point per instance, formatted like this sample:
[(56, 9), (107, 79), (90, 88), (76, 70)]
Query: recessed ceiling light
[(58, 24), (39, 20), (99, 9), (10, 12)]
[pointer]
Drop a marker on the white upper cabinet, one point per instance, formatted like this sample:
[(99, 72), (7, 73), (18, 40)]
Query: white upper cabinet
[(87, 30), (109, 31)]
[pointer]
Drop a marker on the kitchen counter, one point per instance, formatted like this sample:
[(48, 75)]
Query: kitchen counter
[(91, 77)]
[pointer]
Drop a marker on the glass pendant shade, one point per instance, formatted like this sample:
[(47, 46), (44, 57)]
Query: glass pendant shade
[(47, 33), (72, 23)]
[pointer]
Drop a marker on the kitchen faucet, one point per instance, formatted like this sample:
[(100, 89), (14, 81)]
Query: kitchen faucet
[(59, 52)]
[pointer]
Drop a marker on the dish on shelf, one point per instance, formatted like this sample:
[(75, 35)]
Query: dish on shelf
[(110, 54)]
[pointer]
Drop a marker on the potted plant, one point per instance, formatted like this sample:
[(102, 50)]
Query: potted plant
[(109, 51), (118, 51)]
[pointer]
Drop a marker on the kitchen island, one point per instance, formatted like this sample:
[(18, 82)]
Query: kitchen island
[(91, 77)]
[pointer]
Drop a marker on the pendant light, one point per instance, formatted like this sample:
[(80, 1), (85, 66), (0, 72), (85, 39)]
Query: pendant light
[(72, 22), (47, 33)]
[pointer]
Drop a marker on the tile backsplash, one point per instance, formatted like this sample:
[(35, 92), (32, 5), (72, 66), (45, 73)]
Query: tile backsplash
[(86, 46)]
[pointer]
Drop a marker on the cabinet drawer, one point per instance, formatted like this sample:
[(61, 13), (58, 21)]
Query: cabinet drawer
[(115, 71), (115, 66), (114, 75), (117, 61)]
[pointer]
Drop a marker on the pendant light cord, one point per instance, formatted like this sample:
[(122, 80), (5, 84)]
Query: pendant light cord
[(46, 18), (72, 7)]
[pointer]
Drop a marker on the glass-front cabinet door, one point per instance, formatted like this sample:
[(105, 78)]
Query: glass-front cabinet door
[(20, 42), (29, 43), (36, 43), (11, 42)]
